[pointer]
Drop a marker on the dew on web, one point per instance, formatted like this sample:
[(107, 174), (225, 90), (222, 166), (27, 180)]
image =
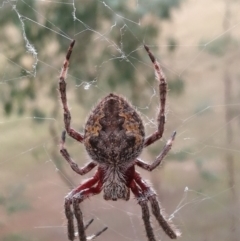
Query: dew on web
[(87, 86), (197, 45)]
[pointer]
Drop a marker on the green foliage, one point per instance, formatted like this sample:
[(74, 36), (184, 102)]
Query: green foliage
[(17, 206), (94, 47), (176, 86), (203, 108), (15, 237), (14, 95), (180, 156), (15, 200), (206, 174), (172, 44), (38, 115), (2, 199), (220, 46), (8, 107), (161, 8)]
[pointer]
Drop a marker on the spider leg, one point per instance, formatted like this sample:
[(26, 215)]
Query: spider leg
[(162, 94), (142, 201), (87, 168), (62, 89), (159, 214), (69, 216), (68, 202), (157, 162), (88, 224), (157, 211), (75, 197)]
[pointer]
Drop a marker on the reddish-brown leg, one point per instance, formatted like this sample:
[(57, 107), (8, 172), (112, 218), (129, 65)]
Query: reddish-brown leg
[(142, 201), (157, 162), (162, 94), (87, 168), (62, 89), (75, 197), (157, 211)]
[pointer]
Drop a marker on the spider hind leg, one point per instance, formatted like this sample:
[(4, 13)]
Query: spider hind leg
[(74, 198), (157, 211), (142, 201)]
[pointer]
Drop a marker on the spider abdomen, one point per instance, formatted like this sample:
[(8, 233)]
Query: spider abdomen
[(114, 132)]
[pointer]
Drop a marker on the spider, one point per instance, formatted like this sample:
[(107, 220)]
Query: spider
[(114, 138)]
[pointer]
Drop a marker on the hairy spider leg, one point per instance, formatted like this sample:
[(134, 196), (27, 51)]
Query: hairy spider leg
[(94, 185), (75, 197), (62, 90), (157, 162), (162, 94), (84, 190), (157, 211), (142, 201), (87, 168), (68, 202)]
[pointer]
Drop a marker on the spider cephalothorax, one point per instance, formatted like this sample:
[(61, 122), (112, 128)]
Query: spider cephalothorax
[(114, 138)]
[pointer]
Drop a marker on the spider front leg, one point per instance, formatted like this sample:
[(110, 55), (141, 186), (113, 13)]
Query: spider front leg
[(74, 198), (157, 162), (62, 89), (162, 94)]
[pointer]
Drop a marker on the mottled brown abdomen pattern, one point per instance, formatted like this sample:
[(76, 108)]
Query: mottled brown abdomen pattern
[(114, 132)]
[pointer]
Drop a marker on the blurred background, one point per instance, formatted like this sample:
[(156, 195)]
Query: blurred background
[(198, 46)]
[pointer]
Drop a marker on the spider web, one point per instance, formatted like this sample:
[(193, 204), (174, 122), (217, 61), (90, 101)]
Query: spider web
[(199, 51)]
